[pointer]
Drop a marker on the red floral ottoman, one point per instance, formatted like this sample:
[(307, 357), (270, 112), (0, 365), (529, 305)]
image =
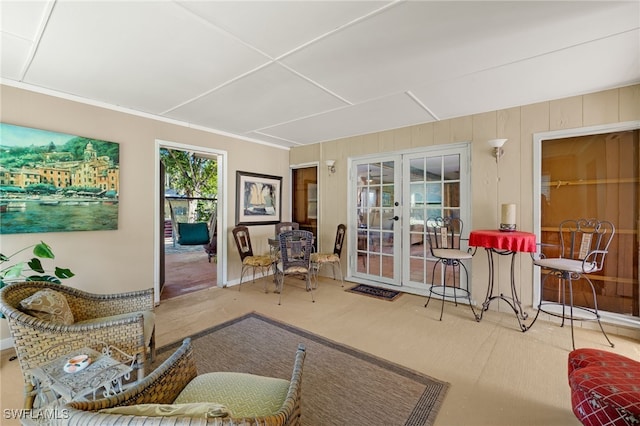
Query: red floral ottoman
[(605, 388)]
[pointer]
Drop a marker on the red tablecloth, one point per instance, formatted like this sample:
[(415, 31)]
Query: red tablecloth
[(502, 240)]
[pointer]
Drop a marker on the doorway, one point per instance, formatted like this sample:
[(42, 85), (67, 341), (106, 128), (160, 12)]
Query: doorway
[(392, 196), (304, 200), (187, 260), (593, 173)]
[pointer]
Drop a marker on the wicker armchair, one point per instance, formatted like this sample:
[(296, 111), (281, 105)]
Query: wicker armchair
[(37, 341), (165, 384)]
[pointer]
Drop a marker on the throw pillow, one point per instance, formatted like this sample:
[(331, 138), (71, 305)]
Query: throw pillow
[(48, 305), (204, 410), (246, 395)]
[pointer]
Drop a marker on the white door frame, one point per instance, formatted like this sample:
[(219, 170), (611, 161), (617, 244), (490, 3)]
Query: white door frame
[(221, 159), (538, 139), (464, 149)]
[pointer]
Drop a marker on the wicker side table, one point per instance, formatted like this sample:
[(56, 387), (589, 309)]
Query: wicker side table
[(103, 377)]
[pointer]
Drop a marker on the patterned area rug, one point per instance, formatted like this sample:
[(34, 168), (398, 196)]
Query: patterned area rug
[(340, 385), (379, 293)]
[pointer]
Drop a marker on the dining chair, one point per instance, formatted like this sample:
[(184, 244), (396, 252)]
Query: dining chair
[(333, 258), (583, 246), (295, 258), (444, 235), (249, 260)]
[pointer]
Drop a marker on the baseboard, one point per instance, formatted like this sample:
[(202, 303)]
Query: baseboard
[(259, 275)]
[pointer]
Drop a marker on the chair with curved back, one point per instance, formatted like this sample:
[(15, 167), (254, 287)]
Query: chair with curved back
[(286, 226), (581, 251), (333, 258), (249, 260), (444, 235), (176, 389), (48, 320), (295, 258)]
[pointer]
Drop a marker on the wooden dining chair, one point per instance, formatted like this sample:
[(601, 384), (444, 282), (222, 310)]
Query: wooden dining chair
[(332, 258), (249, 260)]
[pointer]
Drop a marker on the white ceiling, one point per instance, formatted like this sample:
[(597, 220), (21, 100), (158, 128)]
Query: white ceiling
[(299, 72)]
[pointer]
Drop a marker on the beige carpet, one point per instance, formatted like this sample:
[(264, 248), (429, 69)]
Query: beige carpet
[(341, 385)]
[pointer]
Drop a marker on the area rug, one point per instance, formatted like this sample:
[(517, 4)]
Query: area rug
[(340, 385), (379, 293)]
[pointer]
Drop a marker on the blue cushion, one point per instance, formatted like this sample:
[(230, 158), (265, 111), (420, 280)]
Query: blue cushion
[(193, 233)]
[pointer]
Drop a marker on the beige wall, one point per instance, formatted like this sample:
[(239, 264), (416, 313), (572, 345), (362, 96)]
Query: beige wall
[(123, 260), (515, 185)]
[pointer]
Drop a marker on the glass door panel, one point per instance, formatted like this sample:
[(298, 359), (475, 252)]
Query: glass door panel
[(376, 218), (435, 189), (596, 176)]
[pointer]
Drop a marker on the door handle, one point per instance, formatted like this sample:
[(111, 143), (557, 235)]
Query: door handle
[(396, 218)]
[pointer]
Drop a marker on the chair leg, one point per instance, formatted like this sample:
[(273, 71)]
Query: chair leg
[(313, 300), (242, 271), (433, 274), (265, 271), (473, 311), (339, 265), (315, 268), (466, 295), (597, 314), (281, 288), (444, 292)]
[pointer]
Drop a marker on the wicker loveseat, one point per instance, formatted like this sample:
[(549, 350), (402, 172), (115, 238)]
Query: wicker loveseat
[(114, 319), (236, 398)]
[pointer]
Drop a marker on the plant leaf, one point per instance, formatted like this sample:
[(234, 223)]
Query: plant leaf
[(14, 271), (43, 250), (48, 278), (36, 265), (63, 273), (3, 258)]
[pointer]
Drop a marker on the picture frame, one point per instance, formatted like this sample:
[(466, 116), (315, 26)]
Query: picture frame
[(258, 199), (57, 182)]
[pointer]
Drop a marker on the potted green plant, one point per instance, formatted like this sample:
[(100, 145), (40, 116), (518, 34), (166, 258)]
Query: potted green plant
[(31, 270)]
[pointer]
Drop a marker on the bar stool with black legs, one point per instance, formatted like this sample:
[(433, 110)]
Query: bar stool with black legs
[(583, 246), (444, 235)]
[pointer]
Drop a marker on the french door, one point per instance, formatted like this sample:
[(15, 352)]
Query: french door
[(391, 198)]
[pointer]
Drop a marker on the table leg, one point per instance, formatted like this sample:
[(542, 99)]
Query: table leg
[(513, 301)]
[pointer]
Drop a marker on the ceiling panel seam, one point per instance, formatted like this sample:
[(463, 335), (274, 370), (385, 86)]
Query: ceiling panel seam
[(36, 42), (220, 86), (318, 85), (226, 32), (422, 105), (339, 28)]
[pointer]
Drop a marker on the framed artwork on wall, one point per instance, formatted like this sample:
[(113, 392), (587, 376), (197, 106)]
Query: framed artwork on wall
[(55, 182), (258, 199)]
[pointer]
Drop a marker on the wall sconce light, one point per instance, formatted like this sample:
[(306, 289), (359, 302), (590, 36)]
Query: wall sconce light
[(496, 144), (331, 165)]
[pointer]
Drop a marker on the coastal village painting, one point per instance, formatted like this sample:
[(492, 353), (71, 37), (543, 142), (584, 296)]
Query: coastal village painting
[(54, 182)]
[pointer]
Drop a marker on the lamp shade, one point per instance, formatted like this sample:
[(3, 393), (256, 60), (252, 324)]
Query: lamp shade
[(496, 143)]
